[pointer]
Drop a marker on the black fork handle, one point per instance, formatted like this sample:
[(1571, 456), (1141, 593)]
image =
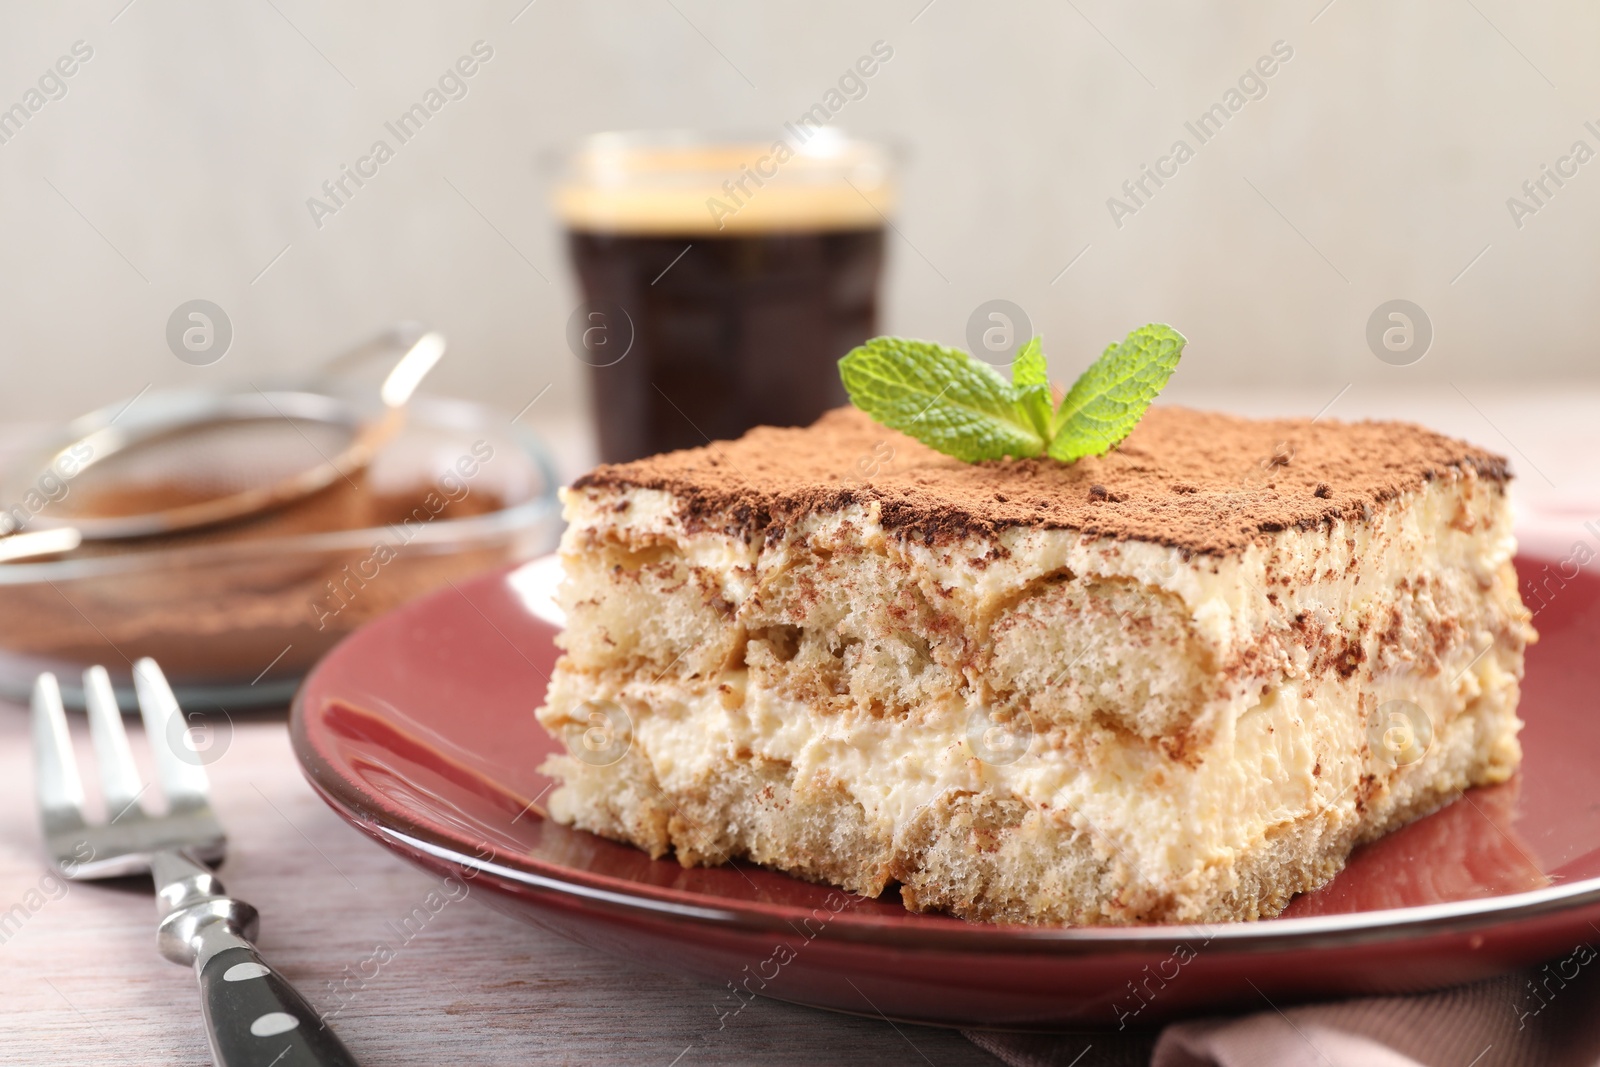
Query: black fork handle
[(255, 1018)]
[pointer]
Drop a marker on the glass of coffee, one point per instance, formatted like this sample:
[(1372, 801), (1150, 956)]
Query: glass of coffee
[(722, 278)]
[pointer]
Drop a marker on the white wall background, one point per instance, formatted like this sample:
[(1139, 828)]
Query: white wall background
[(1378, 166)]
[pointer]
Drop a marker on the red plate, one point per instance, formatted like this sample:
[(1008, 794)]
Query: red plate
[(419, 729)]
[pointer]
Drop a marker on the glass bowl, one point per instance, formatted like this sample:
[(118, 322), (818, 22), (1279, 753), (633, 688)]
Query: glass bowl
[(237, 622)]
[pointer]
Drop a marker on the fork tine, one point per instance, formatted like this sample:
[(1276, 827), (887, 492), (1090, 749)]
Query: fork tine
[(119, 776), (183, 777), (55, 769)]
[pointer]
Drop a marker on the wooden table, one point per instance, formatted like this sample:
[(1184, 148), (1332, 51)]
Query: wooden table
[(81, 982)]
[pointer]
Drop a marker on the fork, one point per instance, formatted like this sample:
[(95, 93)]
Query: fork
[(254, 1017)]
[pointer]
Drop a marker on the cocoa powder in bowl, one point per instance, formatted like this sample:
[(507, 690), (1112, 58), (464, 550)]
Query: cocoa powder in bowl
[(263, 598)]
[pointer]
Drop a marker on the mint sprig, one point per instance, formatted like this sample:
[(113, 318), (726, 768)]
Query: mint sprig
[(964, 408)]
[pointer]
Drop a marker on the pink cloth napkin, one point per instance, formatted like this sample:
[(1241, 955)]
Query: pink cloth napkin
[(1537, 1018)]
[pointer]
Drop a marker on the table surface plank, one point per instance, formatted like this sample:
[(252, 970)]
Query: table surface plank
[(81, 982)]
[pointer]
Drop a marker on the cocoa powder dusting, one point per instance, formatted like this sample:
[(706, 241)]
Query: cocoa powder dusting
[(1199, 481)]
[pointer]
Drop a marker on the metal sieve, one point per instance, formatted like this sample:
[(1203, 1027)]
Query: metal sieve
[(183, 460)]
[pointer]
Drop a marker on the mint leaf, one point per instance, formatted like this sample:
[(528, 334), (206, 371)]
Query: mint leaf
[(1030, 380), (1107, 402), (964, 408), (941, 396)]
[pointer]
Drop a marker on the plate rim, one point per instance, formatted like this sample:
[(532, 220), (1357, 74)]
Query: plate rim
[(406, 833)]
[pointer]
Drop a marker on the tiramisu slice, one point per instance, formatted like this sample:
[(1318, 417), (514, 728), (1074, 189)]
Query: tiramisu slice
[(1178, 682)]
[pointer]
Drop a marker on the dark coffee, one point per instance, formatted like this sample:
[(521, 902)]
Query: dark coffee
[(735, 332), (722, 279)]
